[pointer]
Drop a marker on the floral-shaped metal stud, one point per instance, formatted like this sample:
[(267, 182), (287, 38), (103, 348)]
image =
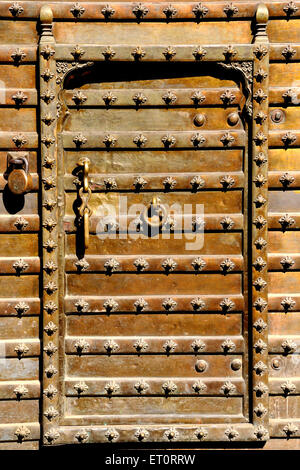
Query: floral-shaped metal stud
[(227, 305), (197, 183), (111, 346), (112, 435), (19, 140), (198, 139), (82, 436), (108, 53), (288, 52), (199, 53), (289, 346), (107, 12), (140, 345), (289, 138), (290, 8), (227, 139), (169, 53), (261, 433), (141, 386), (50, 392), (168, 140), (259, 222), (82, 265), (228, 346), (140, 11), (21, 308), (169, 183), (198, 264), (260, 389), (110, 305), (260, 51), (81, 305), (109, 98), (290, 429), (227, 97), (231, 433), (77, 52), (286, 222), (50, 267), (199, 386), (260, 346), (198, 345), (259, 201), (50, 349), (21, 349), (227, 265), (169, 387), (200, 11), (141, 434), (140, 140), (50, 371), (141, 264), (79, 98), (259, 264), (288, 304), (140, 304), (20, 266), (170, 12), (16, 9), (227, 223), (139, 99), (109, 140), (260, 75), (260, 368), (111, 387), (169, 97), (197, 303), (81, 346), (138, 53), (171, 434), (259, 284), (229, 52), (260, 243), (201, 434), (139, 183), (198, 97), (228, 388), (169, 265), (51, 413), (169, 304), (288, 387), (260, 304), (169, 346), (286, 180), (19, 98), (287, 262), (230, 10), (260, 325), (22, 432), (81, 387), (50, 328), (20, 391), (260, 159), (18, 55)]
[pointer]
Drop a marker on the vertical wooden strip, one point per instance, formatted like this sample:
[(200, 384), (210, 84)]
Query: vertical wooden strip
[(48, 103), (259, 225)]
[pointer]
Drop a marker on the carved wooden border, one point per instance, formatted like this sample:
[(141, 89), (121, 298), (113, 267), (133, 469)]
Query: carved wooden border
[(50, 55)]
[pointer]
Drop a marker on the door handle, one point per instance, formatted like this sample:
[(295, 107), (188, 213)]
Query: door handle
[(155, 214), (85, 194)]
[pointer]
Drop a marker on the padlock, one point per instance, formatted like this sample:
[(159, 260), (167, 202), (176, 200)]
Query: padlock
[(19, 180)]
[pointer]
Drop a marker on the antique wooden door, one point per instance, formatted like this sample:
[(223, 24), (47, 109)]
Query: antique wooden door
[(154, 240)]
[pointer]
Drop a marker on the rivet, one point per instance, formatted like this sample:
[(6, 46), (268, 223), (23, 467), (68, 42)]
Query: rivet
[(277, 116), (276, 364), (201, 366), (233, 119), (236, 364), (199, 120)]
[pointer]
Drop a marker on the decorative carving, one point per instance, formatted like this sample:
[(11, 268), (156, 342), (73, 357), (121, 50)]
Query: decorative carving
[(79, 140), (260, 325), (260, 75), (141, 345), (141, 386), (111, 387), (81, 305), (260, 389), (259, 264), (77, 52), (50, 349), (227, 139), (141, 434), (228, 388), (82, 436), (289, 97), (109, 141), (51, 413), (288, 387), (21, 350), (20, 266), (51, 436), (169, 53), (111, 265), (260, 346), (200, 11), (18, 55), (286, 222), (138, 53), (289, 138), (108, 53), (111, 346), (19, 140), (108, 12), (170, 12), (227, 305), (49, 224), (227, 223), (21, 308), (81, 387), (20, 391), (197, 182), (260, 368), (169, 304), (199, 386), (228, 346), (290, 8), (112, 435), (22, 433), (259, 284), (140, 304), (259, 201), (288, 52), (77, 10), (171, 434), (169, 97), (230, 10), (81, 346), (47, 75), (47, 96), (169, 387), (141, 264), (259, 222), (260, 117), (231, 433), (260, 96), (50, 392), (139, 99), (50, 267), (198, 264), (287, 262), (169, 265), (288, 304), (169, 346), (227, 265), (227, 97), (110, 305), (198, 303), (21, 223), (286, 180), (49, 162), (197, 98), (197, 139), (109, 98), (16, 9), (50, 328)]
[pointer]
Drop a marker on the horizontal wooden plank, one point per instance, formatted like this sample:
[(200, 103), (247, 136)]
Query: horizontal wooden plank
[(277, 386), (13, 33), (21, 330), (155, 181), (149, 366), (288, 242), (275, 181), (18, 245), (147, 118), (277, 49), (17, 224), (16, 369), (284, 282), (274, 261), (152, 161), (20, 390), (279, 409), (29, 139), (7, 94), (8, 347), (152, 324), (12, 265), (284, 74), (154, 139), (22, 119), (273, 220), (289, 366), (7, 433), (284, 159), (154, 344), (20, 306), (276, 344), (279, 428), (151, 409), (282, 323), (19, 411), (275, 138), (156, 263), (19, 77), (154, 284), (96, 387)]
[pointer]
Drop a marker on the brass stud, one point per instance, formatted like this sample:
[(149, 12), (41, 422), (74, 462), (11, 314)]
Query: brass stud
[(199, 119), (233, 119), (201, 365)]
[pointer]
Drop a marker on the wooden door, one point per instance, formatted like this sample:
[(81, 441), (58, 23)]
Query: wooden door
[(154, 236)]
